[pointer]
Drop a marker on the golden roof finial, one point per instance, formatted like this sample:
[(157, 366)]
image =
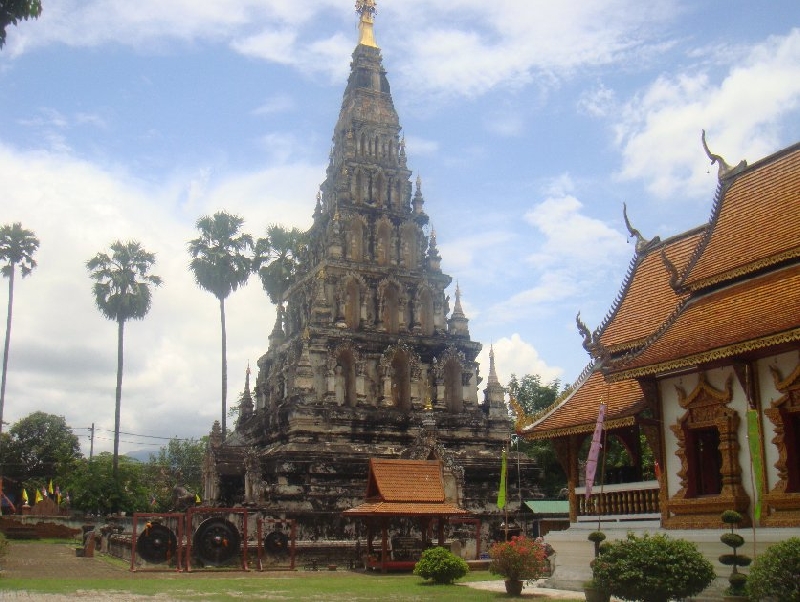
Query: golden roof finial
[(367, 10)]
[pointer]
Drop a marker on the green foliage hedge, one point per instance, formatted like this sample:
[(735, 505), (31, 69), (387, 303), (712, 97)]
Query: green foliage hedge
[(441, 566), (775, 574), (652, 568)]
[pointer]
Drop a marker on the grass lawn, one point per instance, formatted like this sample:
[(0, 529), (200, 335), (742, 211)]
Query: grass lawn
[(262, 586), (229, 586)]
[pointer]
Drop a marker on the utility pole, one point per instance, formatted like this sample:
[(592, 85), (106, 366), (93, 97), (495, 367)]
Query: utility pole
[(91, 442)]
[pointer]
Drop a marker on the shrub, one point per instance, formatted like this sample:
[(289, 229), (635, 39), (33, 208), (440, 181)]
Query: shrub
[(3, 545), (775, 574), (735, 560), (652, 568), (441, 566)]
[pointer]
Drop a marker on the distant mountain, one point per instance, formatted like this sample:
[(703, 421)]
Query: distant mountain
[(143, 455)]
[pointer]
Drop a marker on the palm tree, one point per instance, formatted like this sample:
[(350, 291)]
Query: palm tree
[(17, 246), (221, 265), (277, 259), (122, 292)]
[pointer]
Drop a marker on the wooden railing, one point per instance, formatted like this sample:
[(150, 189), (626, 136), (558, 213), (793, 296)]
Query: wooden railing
[(626, 501)]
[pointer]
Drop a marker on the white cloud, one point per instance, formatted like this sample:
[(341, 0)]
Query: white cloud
[(518, 43), (659, 130), (512, 355), (279, 103), (418, 147), (571, 237), (63, 351), (570, 255), (479, 45), (598, 102)]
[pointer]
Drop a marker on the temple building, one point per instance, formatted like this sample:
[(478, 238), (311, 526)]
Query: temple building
[(697, 364), (369, 358)]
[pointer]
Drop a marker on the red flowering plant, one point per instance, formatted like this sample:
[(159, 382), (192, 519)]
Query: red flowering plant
[(519, 559)]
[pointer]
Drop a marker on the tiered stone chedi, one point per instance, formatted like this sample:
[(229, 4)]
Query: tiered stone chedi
[(366, 360)]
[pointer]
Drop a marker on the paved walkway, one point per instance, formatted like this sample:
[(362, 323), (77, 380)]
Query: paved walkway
[(58, 561)]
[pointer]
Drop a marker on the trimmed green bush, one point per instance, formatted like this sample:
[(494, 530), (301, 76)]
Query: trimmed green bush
[(596, 537), (735, 541), (652, 568), (441, 566), (775, 574)]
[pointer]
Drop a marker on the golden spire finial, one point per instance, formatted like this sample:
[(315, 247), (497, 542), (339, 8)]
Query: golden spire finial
[(366, 9)]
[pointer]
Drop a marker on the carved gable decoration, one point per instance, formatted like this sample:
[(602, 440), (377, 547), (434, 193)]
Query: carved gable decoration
[(705, 404), (782, 413), (707, 412)]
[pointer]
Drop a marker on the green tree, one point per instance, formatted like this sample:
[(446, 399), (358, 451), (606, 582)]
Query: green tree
[(533, 397), (38, 448), (17, 246), (14, 11), (221, 263), (108, 484), (122, 291), (531, 394), (180, 462), (277, 259)]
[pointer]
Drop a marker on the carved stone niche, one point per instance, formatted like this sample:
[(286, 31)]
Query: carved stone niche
[(708, 450), (782, 502)]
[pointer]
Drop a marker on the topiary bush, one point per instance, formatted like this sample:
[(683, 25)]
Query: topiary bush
[(596, 537), (441, 566), (775, 574), (652, 568), (736, 579)]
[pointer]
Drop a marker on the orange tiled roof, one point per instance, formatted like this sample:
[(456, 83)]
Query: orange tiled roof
[(647, 299), (405, 481), (404, 509), (405, 488), (577, 412), (753, 314), (754, 223)]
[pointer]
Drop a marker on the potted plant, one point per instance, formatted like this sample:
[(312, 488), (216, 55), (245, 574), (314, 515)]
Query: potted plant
[(592, 590), (517, 561), (736, 590)]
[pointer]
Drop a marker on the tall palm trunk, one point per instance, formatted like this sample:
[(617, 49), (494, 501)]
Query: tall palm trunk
[(120, 337), (224, 368), (6, 345)]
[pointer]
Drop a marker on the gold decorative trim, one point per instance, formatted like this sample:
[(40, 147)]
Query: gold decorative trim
[(579, 429), (745, 269), (789, 336)]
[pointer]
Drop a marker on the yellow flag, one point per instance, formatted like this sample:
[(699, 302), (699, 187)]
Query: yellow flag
[(50, 487), (501, 495), (197, 499), (38, 497), (24, 496)]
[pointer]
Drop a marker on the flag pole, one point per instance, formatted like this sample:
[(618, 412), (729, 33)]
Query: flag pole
[(505, 488), (602, 472)]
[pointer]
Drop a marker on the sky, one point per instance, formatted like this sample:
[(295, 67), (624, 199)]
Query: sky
[(529, 122)]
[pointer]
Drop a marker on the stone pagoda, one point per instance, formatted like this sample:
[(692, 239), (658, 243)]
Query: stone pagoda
[(366, 360)]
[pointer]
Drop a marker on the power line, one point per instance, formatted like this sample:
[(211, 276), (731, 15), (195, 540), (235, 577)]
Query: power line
[(100, 428), (132, 442)]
